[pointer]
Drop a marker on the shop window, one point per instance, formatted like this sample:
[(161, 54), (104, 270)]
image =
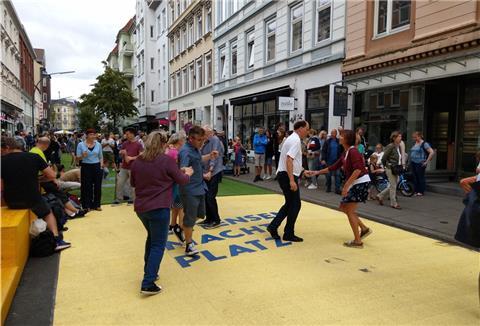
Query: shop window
[(380, 100), (391, 16), (396, 97)]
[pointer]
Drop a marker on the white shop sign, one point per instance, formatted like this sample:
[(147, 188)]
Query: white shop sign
[(286, 103)]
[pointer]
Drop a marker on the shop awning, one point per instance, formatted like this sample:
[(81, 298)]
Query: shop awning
[(261, 96)]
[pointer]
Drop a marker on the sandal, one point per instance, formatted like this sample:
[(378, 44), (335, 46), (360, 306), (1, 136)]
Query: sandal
[(366, 233), (396, 207), (380, 201), (353, 244)]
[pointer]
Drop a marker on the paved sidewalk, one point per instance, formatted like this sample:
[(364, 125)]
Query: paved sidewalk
[(433, 215)]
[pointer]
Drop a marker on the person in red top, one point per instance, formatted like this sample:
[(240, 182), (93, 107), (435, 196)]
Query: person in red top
[(131, 149), (355, 189)]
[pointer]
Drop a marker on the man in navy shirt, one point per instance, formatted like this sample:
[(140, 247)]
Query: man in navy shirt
[(193, 193), (332, 150)]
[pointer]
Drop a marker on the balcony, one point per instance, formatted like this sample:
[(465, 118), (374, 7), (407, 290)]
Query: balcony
[(128, 72), (127, 49)]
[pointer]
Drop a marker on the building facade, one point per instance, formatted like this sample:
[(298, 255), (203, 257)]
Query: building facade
[(149, 69), (27, 57), (277, 62), (12, 113), (415, 66), (190, 49), (42, 95), (64, 114), (121, 58)]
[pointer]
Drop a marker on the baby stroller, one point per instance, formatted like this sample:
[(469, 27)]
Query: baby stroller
[(242, 160)]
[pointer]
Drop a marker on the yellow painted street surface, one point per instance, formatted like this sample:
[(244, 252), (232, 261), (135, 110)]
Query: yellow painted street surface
[(241, 278)]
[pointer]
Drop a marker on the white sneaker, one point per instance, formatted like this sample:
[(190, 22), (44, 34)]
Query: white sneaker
[(312, 186), (268, 177), (191, 250)]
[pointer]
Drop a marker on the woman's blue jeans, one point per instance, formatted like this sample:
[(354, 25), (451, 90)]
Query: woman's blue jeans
[(156, 223)]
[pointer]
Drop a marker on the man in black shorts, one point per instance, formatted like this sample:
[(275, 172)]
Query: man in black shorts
[(20, 188)]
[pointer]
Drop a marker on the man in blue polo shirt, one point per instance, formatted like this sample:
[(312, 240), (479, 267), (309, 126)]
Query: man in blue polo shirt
[(260, 142), (193, 193)]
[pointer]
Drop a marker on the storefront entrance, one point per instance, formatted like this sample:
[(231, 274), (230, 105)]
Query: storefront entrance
[(446, 111), (255, 110)]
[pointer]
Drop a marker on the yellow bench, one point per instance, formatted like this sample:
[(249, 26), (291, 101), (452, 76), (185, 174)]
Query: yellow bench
[(15, 225)]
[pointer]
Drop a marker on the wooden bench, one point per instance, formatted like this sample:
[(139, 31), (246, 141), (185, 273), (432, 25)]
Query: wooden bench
[(15, 247)]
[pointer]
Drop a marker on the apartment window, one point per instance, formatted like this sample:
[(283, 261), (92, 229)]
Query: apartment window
[(152, 96), (323, 19), (151, 31), (208, 69), (179, 10), (185, 5), (391, 15), (191, 74), (185, 80), (152, 63), (199, 75), (190, 32), (179, 83), (209, 20), (270, 27), (199, 26), (184, 38), (164, 20), (159, 24), (177, 39), (233, 57), (172, 12), (223, 63), (172, 48), (296, 27), (173, 89), (250, 49), (44, 97), (44, 82)]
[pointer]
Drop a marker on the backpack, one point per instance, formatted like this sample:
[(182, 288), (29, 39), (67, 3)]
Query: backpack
[(58, 209), (43, 245)]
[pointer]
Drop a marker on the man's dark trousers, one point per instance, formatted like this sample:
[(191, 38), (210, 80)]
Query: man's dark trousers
[(211, 198), (291, 208)]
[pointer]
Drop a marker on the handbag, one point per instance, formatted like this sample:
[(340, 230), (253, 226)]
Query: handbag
[(397, 169)]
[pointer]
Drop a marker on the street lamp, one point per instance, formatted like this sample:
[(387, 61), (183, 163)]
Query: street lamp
[(43, 75)]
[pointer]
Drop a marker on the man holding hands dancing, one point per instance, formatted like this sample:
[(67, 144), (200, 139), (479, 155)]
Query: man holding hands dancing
[(288, 173)]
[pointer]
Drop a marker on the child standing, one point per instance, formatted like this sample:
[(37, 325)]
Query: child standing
[(237, 149), (174, 144)]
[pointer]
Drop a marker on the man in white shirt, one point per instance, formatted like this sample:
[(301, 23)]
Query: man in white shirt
[(288, 173)]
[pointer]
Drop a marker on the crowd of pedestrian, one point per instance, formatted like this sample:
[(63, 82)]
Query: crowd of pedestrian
[(173, 181)]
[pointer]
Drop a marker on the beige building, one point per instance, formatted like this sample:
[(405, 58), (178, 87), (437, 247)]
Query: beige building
[(64, 114), (190, 62), (415, 66)]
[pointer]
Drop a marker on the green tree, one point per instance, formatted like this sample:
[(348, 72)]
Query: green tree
[(111, 97), (87, 117)]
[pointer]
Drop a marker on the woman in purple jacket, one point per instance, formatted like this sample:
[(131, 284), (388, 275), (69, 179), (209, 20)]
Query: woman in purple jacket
[(153, 175)]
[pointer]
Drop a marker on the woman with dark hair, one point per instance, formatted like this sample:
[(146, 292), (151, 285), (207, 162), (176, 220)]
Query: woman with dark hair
[(91, 171), (392, 161), (153, 175), (269, 153), (421, 154), (356, 186), (277, 141)]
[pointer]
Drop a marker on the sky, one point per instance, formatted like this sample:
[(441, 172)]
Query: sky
[(76, 35)]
